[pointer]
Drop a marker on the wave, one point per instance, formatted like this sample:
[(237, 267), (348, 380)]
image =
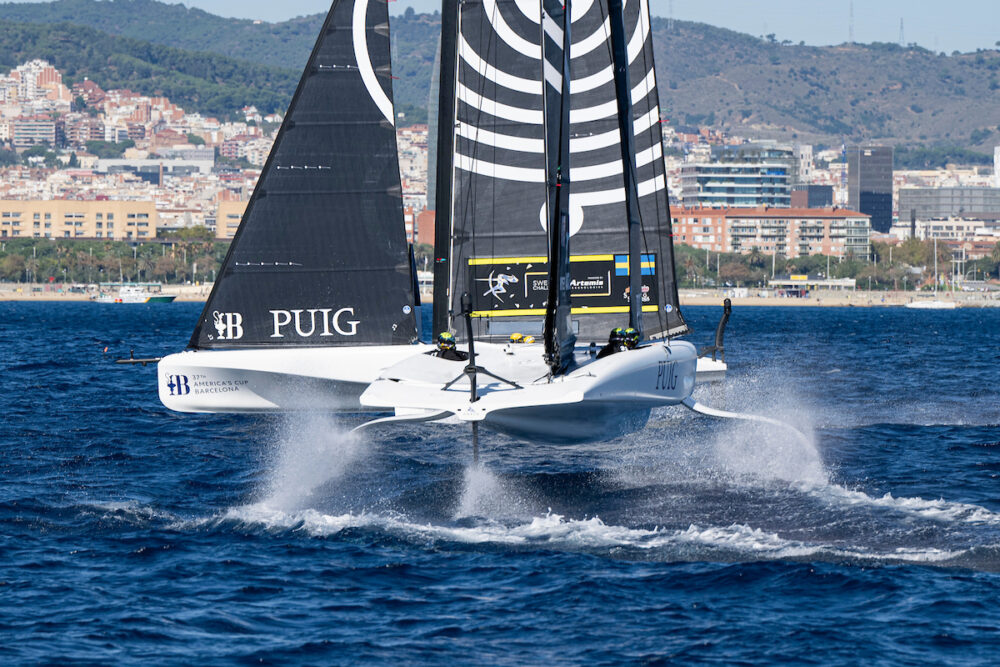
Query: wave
[(936, 510), (735, 542)]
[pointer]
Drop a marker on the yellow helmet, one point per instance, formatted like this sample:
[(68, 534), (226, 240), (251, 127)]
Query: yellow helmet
[(529, 339), (516, 338)]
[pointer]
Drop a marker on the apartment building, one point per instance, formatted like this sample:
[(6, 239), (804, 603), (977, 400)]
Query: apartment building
[(227, 218), (790, 232), (72, 219)]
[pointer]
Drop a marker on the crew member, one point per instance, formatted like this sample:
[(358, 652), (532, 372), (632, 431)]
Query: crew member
[(516, 338), (446, 348), (631, 338), (616, 343)]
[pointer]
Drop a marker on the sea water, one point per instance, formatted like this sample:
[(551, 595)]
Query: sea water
[(132, 534)]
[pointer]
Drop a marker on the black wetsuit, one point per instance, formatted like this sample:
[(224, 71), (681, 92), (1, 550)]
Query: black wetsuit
[(451, 355), (610, 349)]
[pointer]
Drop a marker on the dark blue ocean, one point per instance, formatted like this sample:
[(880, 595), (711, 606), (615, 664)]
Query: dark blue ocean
[(131, 534)]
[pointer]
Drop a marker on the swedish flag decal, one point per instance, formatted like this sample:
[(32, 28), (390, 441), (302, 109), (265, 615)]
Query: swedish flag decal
[(648, 263)]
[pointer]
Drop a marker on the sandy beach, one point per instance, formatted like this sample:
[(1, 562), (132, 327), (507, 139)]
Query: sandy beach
[(689, 297)]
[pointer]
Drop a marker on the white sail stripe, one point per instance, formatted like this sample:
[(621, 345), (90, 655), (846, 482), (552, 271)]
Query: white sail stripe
[(500, 171), (595, 39), (504, 32), (605, 139), (617, 195), (552, 28), (360, 38), (652, 185), (553, 76), (580, 9), (499, 77), (638, 39), (609, 109), (529, 8), (607, 75), (578, 145), (593, 81), (613, 168), (493, 108), (497, 140)]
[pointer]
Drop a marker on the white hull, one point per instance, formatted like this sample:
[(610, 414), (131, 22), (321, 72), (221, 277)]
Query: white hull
[(278, 380), (598, 400), (935, 304)]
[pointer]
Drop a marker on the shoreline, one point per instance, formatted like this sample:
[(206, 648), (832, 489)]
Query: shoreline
[(688, 297)]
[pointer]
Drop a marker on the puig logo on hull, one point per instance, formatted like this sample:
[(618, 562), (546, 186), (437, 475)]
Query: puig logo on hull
[(307, 324)]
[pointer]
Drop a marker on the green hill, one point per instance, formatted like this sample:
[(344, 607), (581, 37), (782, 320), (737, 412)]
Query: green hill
[(204, 82), (708, 76)]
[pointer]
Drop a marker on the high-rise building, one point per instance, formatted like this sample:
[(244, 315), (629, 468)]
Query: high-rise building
[(932, 203), (759, 174), (869, 183), (996, 167), (812, 196), (804, 154), (731, 184)]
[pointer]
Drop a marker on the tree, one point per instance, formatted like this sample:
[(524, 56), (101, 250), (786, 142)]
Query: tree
[(195, 139), (734, 272), (12, 267)]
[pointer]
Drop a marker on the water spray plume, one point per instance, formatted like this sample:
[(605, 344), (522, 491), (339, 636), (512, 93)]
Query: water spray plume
[(309, 449)]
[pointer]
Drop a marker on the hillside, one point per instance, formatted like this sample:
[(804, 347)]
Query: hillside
[(202, 82), (708, 76)]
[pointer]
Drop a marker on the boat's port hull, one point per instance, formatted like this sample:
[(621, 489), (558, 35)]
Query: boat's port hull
[(274, 380)]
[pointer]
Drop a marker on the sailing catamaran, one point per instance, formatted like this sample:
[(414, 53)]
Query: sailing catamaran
[(556, 146)]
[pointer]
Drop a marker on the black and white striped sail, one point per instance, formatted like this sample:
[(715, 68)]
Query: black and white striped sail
[(321, 257), (499, 245)]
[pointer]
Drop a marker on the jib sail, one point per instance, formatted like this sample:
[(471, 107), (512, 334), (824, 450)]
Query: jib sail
[(320, 257)]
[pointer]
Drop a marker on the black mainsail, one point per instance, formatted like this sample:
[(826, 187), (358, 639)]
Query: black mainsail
[(320, 258), (498, 244)]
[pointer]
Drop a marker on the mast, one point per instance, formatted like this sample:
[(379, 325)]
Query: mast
[(444, 192), (626, 125), (558, 334)]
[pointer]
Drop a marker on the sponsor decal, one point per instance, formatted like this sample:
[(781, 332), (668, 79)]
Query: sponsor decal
[(201, 384), (597, 284), (309, 322), (498, 284), (228, 325), (666, 376), (179, 385)]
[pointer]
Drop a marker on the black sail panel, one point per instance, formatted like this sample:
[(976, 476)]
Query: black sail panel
[(499, 243), (321, 258)]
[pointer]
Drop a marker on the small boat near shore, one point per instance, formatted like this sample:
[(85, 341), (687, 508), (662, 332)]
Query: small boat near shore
[(133, 293), (932, 304)]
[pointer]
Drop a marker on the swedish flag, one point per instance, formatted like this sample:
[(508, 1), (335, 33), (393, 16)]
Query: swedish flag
[(647, 262)]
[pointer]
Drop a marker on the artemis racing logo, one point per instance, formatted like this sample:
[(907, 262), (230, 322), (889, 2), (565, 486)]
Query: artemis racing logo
[(307, 322)]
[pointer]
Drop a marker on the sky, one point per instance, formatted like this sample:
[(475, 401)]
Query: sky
[(949, 25), (939, 25)]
